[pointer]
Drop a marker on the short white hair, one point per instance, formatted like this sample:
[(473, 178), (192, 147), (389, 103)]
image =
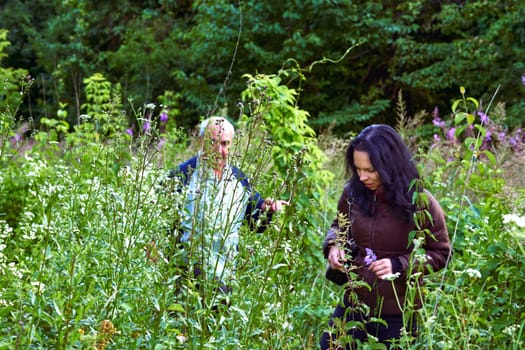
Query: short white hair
[(215, 119)]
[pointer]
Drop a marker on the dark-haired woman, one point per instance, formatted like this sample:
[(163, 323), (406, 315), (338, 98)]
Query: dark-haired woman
[(378, 214)]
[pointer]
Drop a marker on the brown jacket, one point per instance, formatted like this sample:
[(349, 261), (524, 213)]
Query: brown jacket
[(388, 236)]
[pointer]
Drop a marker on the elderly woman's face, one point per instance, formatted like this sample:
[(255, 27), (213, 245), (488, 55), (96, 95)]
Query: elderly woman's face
[(368, 175)]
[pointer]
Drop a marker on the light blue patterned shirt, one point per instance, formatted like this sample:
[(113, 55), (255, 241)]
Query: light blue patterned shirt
[(214, 212)]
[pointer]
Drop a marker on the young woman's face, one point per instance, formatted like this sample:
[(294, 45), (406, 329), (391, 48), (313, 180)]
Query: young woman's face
[(368, 175)]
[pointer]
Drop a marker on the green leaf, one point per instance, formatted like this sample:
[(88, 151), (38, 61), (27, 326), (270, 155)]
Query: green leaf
[(176, 307), (57, 308), (455, 105), (126, 307), (458, 118), (490, 156), (474, 101)]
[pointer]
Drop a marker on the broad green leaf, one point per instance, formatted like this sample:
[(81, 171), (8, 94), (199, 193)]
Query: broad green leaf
[(459, 117), (474, 101)]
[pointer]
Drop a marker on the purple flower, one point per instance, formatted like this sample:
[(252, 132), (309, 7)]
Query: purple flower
[(129, 131), (435, 113), (483, 117), (436, 140), (370, 256), (146, 126), (523, 79), (16, 138), (164, 117), (488, 136), (438, 122), (451, 137), (161, 143), (502, 136)]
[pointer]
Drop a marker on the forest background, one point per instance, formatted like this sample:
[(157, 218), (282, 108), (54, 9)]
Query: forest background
[(180, 53), (100, 99)]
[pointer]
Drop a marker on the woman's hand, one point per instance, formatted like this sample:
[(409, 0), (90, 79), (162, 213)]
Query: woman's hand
[(381, 267), (336, 258)]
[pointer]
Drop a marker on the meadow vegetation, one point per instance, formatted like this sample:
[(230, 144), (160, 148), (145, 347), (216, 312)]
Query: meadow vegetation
[(80, 204)]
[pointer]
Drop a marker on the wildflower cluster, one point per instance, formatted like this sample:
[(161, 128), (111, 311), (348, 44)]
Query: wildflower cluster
[(493, 132), (151, 124), (518, 220), (473, 273), (516, 225)]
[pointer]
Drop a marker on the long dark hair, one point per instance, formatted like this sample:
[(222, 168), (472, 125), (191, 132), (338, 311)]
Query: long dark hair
[(393, 161)]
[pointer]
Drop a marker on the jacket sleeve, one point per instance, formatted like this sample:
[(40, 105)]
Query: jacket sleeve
[(179, 177), (338, 231), (253, 213), (436, 240)]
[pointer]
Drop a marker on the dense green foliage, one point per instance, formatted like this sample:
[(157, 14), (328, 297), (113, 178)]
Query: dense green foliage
[(200, 50), (14, 82)]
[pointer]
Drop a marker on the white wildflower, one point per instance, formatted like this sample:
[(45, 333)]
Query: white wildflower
[(39, 286), (473, 273), (422, 257), (14, 270), (287, 325), (430, 321), (518, 220), (181, 338), (511, 330), (390, 276)]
